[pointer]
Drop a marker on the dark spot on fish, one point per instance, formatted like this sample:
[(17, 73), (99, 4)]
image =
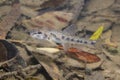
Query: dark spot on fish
[(45, 35), (39, 32), (72, 39), (53, 35), (85, 42), (68, 39), (80, 41), (92, 42), (61, 19), (35, 33), (63, 37)]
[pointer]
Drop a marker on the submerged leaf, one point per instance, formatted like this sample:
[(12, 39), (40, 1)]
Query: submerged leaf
[(9, 20), (53, 71), (108, 42), (8, 52), (50, 20), (83, 56), (52, 3), (3, 52), (95, 76)]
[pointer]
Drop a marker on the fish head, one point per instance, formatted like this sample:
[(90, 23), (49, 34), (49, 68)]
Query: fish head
[(38, 35)]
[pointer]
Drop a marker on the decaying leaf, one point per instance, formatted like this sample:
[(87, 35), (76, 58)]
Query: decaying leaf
[(47, 63), (80, 59), (9, 20), (8, 52), (50, 20), (95, 76), (107, 37), (28, 11), (115, 33), (3, 52), (72, 62), (52, 3), (83, 56), (53, 71), (32, 3)]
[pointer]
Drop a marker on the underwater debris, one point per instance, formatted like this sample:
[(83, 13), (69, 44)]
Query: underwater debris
[(83, 56), (95, 76), (8, 53), (7, 74), (3, 52), (71, 28), (108, 42), (9, 20), (52, 3), (80, 58), (50, 20)]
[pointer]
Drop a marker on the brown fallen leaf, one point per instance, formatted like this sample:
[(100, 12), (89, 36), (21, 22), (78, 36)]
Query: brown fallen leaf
[(53, 71), (9, 20), (83, 56), (95, 76), (52, 3), (8, 52), (50, 20), (108, 42), (3, 52)]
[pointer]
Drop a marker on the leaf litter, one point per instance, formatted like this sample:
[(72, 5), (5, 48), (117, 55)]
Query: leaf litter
[(40, 59)]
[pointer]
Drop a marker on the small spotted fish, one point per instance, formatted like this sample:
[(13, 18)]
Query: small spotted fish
[(61, 38)]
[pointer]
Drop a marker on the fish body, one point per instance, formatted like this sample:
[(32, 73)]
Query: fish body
[(61, 38)]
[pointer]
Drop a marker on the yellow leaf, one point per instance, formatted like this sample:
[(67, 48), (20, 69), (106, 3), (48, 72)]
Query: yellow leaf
[(97, 33)]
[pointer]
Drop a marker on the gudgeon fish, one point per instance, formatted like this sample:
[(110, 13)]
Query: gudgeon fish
[(60, 38)]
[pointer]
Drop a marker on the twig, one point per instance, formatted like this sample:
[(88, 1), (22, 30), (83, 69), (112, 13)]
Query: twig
[(9, 20), (38, 66), (77, 10)]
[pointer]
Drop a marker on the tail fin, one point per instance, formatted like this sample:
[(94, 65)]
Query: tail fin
[(97, 33)]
